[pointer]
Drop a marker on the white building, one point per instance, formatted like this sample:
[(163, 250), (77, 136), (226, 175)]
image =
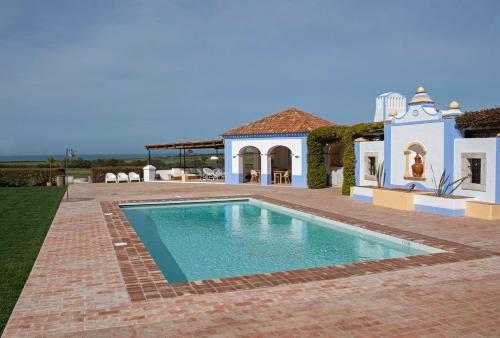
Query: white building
[(420, 143), (271, 150)]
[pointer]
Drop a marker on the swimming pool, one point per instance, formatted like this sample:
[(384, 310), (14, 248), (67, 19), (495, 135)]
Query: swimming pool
[(199, 240)]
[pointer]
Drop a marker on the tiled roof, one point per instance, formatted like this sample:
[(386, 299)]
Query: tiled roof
[(291, 120)]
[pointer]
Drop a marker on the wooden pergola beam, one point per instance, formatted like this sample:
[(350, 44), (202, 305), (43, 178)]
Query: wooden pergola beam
[(210, 144)]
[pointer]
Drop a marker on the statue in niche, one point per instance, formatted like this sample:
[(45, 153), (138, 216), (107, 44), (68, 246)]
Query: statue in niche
[(417, 167)]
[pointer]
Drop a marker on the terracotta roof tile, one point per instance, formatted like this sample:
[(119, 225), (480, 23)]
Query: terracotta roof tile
[(291, 120)]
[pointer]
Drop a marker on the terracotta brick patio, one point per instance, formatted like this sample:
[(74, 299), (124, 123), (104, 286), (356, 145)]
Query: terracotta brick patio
[(78, 288)]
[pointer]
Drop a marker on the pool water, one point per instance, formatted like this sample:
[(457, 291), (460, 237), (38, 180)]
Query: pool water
[(210, 240)]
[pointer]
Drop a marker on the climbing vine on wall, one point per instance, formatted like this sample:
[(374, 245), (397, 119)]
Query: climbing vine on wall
[(316, 141)]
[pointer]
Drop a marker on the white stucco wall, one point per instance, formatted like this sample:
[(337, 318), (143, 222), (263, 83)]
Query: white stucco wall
[(264, 145), (431, 136), (369, 147), (478, 145)]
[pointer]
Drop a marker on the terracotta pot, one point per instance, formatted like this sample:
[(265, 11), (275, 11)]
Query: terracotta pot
[(417, 167)]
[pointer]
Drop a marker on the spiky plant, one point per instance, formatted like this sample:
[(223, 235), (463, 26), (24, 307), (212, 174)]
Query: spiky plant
[(445, 186), (380, 175)]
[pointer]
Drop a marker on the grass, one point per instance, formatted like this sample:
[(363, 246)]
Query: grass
[(25, 217)]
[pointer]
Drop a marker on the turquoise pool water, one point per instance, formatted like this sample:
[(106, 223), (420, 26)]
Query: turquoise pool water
[(195, 241)]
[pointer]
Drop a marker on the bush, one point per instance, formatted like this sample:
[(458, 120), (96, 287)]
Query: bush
[(98, 173), (79, 162), (316, 141), (26, 177)]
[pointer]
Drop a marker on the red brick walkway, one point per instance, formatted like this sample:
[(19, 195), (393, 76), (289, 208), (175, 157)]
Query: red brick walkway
[(77, 287)]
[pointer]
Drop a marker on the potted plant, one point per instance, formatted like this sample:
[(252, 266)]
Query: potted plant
[(52, 161)]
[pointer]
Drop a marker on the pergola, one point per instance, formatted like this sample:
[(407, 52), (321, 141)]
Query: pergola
[(183, 146)]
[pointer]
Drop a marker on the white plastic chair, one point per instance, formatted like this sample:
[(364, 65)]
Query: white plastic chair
[(122, 177), (208, 174), (133, 177), (110, 177), (218, 173)]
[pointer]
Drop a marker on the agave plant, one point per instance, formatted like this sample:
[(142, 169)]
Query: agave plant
[(380, 175), (445, 186)]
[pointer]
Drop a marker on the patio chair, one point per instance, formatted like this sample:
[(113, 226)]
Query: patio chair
[(122, 177), (286, 176), (110, 177), (254, 176), (208, 174), (133, 177), (218, 173)]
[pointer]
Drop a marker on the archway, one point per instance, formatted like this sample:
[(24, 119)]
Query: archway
[(334, 163), (250, 165), (281, 165)]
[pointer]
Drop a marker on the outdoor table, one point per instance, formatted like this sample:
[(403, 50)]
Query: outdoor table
[(278, 175)]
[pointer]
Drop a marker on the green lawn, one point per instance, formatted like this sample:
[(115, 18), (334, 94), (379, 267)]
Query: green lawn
[(25, 217)]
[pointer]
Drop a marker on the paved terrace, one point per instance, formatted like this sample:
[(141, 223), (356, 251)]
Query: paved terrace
[(77, 287)]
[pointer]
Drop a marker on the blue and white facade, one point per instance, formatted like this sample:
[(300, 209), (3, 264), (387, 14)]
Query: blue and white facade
[(419, 129), (270, 151)]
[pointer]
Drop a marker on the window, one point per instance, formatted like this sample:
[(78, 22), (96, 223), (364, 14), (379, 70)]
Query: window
[(371, 165), (474, 168)]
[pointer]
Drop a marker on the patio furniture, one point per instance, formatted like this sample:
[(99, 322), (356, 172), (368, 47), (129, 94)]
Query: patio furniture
[(177, 173), (164, 175), (110, 177), (218, 173), (121, 177), (286, 176), (133, 177), (208, 174), (255, 176), (278, 176)]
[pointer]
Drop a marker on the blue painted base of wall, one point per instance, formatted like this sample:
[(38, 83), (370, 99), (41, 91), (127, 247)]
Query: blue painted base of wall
[(232, 178), (440, 211), (299, 181), (265, 179), (362, 198)]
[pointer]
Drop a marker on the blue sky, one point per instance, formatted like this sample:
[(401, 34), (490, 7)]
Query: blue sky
[(111, 76)]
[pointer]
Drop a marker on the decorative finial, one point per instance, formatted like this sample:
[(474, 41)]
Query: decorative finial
[(420, 90), (454, 105)]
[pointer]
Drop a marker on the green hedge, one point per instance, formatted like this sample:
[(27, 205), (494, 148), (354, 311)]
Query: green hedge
[(316, 141), (26, 177), (98, 173)]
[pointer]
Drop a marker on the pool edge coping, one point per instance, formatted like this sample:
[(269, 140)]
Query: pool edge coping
[(144, 280)]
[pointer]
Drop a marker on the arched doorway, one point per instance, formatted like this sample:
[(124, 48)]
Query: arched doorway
[(250, 168), (334, 163), (281, 165)]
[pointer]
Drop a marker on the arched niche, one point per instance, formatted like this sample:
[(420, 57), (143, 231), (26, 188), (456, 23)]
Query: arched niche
[(415, 155)]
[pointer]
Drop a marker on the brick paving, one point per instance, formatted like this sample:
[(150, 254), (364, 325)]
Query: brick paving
[(77, 286)]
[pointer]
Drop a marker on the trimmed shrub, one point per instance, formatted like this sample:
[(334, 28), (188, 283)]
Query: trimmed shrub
[(98, 173), (316, 141), (26, 177)]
